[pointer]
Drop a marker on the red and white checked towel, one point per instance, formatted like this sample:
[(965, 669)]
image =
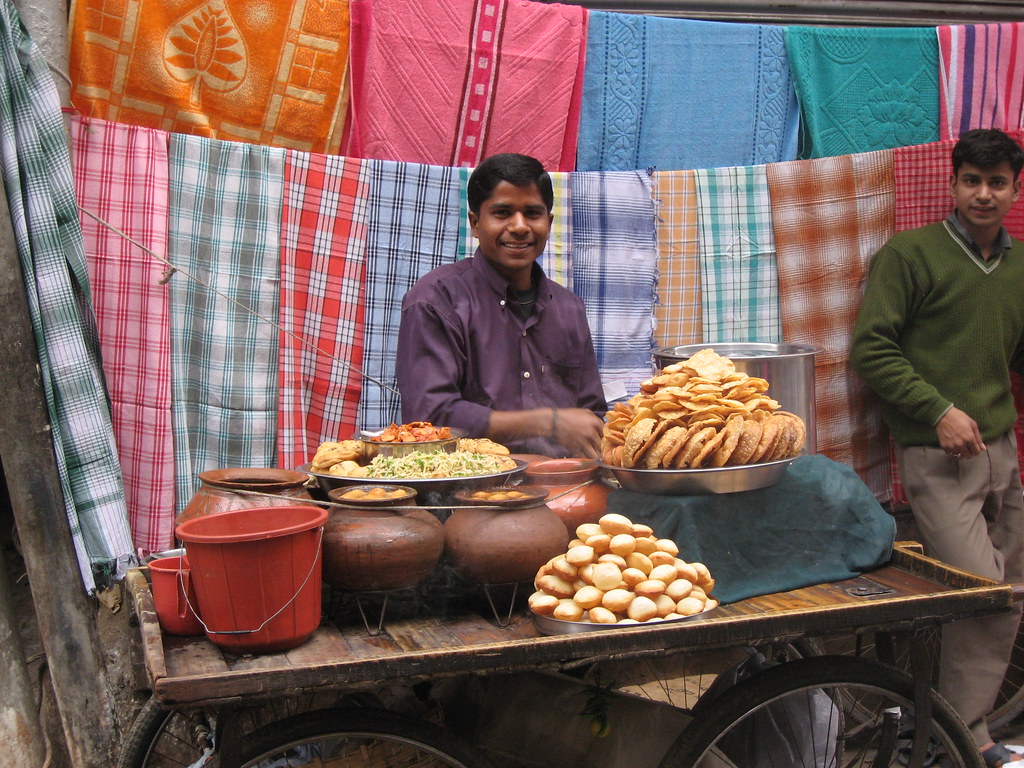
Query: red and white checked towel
[(323, 270), (121, 177), (981, 77), (830, 216)]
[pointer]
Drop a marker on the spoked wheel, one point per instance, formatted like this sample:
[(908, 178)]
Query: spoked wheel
[(823, 712), (162, 738), (357, 738), (1010, 701)]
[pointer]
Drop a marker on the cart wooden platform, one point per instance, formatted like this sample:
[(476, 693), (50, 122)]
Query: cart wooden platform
[(907, 594)]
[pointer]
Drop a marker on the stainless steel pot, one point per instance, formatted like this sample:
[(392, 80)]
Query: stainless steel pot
[(788, 369)]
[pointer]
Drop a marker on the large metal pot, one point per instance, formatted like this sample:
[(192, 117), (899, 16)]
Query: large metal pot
[(788, 369)]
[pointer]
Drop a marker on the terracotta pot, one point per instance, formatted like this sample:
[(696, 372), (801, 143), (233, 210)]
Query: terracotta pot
[(221, 490), (583, 505), (503, 545), (369, 548)]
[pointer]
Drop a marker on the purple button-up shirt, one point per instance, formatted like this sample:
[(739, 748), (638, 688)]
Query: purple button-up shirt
[(464, 350)]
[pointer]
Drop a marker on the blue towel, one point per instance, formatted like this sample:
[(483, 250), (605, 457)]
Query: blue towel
[(677, 94)]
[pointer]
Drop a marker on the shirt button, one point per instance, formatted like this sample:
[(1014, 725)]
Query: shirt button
[(526, 374), (502, 303), (524, 332)]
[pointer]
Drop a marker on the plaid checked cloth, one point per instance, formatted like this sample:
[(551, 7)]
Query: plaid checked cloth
[(678, 305), (615, 268), (37, 174), (830, 216), (323, 232), (413, 227), (121, 176), (922, 197), (737, 251), (224, 235)]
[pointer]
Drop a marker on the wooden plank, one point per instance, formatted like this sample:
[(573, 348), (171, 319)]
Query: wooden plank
[(149, 626)]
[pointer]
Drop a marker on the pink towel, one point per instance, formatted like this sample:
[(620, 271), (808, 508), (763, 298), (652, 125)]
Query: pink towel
[(323, 236), (981, 77), (448, 82), (121, 176)]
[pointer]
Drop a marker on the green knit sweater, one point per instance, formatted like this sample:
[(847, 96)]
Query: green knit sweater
[(936, 329)]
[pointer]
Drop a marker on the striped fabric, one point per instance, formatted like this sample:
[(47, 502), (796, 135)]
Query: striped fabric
[(614, 268), (830, 216), (678, 311), (556, 261), (37, 175), (224, 235), (737, 250), (981, 77), (413, 226), (466, 240), (121, 177), (323, 233)]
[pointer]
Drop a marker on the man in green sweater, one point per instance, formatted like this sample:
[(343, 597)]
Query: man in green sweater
[(940, 327)]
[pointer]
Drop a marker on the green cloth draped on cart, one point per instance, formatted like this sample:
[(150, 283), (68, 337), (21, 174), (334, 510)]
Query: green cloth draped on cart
[(818, 524), (37, 175)]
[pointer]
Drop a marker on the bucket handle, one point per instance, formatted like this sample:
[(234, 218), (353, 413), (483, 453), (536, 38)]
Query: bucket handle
[(270, 618)]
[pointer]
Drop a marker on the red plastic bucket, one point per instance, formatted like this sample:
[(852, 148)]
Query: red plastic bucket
[(174, 596), (257, 574)]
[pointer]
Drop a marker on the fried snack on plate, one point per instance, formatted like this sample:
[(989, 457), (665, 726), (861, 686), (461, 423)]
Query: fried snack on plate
[(331, 453), (482, 445), (413, 432)]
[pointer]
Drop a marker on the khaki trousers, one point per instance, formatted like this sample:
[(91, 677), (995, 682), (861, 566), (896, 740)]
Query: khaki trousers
[(970, 514)]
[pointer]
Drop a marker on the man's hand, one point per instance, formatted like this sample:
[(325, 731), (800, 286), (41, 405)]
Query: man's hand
[(958, 434), (579, 430)]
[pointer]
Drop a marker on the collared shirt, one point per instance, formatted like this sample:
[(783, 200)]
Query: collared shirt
[(1001, 245), (464, 350)]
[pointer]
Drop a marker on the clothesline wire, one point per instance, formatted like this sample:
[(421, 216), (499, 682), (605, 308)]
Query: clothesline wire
[(172, 268)]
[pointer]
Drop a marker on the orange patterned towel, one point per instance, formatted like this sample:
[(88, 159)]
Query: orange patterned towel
[(258, 72)]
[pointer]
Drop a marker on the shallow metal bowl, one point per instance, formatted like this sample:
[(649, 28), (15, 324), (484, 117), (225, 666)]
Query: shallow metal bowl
[(700, 482), (549, 626), (373, 447)]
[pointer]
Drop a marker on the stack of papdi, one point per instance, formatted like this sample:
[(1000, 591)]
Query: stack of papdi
[(337, 458), (618, 572), (697, 414)]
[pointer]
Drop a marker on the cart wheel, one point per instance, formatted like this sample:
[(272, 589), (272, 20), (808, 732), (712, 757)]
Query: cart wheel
[(818, 712), (163, 738), (357, 738), (1010, 700)]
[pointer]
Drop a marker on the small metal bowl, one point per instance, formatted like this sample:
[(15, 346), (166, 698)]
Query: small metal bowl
[(373, 447), (356, 495), (549, 626), (700, 482)]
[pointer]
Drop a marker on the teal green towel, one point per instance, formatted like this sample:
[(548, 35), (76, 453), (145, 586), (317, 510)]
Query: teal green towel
[(862, 89), (819, 523)]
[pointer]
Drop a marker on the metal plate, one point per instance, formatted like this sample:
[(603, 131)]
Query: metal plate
[(700, 482), (431, 491), (373, 447), (549, 626)]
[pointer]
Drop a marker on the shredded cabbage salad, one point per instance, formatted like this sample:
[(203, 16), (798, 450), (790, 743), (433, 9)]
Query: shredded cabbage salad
[(419, 464)]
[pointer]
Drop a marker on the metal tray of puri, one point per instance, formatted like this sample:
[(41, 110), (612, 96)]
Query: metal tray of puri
[(549, 626), (700, 482), (431, 491)]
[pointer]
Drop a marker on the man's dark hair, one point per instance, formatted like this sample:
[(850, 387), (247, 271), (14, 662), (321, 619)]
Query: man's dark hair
[(518, 170), (986, 148)]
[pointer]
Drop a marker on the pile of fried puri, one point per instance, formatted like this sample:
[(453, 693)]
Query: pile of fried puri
[(618, 572), (697, 414)]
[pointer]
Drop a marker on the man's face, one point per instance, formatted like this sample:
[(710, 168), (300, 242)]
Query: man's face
[(513, 226), (983, 195)]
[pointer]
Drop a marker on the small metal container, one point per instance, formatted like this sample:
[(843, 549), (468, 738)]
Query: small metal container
[(700, 482), (373, 447)]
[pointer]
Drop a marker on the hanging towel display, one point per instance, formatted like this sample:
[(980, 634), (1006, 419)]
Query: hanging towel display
[(614, 265), (121, 177), (677, 311), (450, 82), (676, 94), (225, 239), (739, 275), (981, 77), (323, 239), (36, 166), (413, 226), (830, 216), (863, 89), (267, 73)]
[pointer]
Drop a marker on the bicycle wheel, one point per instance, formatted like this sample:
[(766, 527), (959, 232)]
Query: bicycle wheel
[(164, 738), (1010, 700), (815, 713), (357, 738)]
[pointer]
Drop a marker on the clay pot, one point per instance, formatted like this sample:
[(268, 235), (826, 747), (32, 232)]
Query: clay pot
[(370, 547), (583, 505), (225, 489), (505, 544)]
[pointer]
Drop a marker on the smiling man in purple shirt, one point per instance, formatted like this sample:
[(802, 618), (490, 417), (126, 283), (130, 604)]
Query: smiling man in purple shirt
[(490, 344)]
